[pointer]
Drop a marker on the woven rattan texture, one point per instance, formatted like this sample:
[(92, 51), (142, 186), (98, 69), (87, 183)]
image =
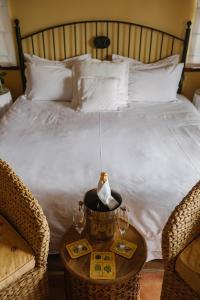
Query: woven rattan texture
[(79, 289), (182, 227), (23, 211)]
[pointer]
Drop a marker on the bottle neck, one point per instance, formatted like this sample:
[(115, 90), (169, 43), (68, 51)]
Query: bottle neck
[(103, 177)]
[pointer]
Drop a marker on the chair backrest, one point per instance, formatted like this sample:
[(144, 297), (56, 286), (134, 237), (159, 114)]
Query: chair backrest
[(182, 226), (23, 211)]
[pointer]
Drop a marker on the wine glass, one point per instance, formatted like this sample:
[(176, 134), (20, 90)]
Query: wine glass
[(123, 223), (79, 220)]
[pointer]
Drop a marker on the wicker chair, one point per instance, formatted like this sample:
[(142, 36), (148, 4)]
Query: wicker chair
[(182, 227), (22, 210)]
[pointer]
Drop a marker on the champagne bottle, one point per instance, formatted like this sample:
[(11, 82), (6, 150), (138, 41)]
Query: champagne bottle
[(104, 192)]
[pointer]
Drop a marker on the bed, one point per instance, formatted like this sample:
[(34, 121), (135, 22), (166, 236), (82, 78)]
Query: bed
[(150, 150)]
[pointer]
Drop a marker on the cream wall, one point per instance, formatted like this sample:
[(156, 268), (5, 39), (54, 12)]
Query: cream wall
[(191, 83), (167, 15)]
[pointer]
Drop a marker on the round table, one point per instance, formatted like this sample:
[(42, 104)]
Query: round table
[(79, 285)]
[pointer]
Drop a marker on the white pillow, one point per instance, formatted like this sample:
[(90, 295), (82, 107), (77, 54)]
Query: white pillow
[(155, 85), (116, 57), (100, 70), (99, 94), (48, 82), (39, 77), (31, 58), (133, 63)]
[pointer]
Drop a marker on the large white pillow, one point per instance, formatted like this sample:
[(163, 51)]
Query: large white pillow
[(51, 83), (133, 63), (48, 82), (155, 85), (92, 74), (31, 58)]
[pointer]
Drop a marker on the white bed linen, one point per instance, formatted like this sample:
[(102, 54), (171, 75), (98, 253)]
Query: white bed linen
[(150, 151)]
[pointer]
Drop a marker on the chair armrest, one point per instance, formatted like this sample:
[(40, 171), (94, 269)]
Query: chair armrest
[(182, 226), (24, 212)]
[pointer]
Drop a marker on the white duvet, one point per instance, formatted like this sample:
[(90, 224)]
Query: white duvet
[(150, 151)]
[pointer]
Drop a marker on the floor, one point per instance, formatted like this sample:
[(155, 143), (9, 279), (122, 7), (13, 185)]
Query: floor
[(151, 279), (151, 284)]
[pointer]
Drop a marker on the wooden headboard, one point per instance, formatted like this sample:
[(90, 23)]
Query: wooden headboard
[(101, 38)]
